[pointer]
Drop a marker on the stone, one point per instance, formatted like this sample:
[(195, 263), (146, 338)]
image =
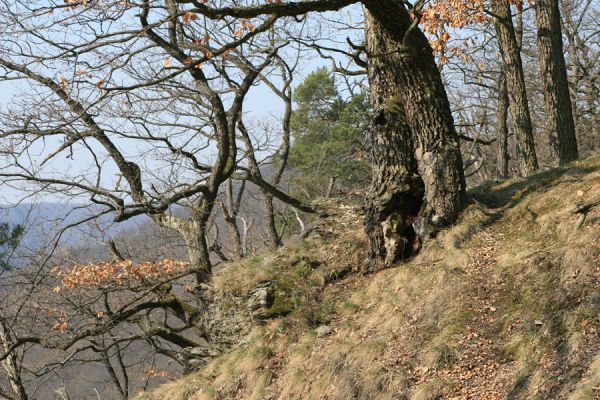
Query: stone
[(202, 352), (323, 330), (195, 358), (261, 297)]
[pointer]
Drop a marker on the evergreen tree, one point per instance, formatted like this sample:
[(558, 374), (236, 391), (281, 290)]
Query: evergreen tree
[(329, 137), (9, 240)]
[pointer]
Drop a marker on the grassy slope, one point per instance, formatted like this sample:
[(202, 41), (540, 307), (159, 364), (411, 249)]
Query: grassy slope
[(506, 304)]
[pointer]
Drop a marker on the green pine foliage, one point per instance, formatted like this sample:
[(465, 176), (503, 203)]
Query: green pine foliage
[(329, 138), (9, 240)]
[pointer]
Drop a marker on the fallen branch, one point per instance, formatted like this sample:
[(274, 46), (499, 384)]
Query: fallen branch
[(584, 208)]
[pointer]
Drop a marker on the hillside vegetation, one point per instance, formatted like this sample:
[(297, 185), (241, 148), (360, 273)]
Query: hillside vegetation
[(505, 304)]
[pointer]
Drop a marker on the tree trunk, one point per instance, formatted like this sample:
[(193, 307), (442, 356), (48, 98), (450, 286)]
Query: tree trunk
[(194, 232), (273, 241), (235, 237), (231, 210), (11, 367), (595, 121), (397, 191), (199, 253), (515, 79), (502, 128), (418, 178), (574, 78), (559, 113), (519, 30), (592, 95)]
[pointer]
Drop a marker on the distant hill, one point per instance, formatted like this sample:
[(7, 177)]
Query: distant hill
[(44, 221)]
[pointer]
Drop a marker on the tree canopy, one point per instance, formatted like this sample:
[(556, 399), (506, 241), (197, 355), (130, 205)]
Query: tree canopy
[(330, 135)]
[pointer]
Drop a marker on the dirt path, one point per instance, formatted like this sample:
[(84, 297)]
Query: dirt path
[(481, 371)]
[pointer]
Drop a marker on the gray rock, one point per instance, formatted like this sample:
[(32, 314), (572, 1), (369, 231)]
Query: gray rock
[(323, 330), (202, 352), (423, 229), (437, 221), (195, 358), (227, 320), (262, 297)]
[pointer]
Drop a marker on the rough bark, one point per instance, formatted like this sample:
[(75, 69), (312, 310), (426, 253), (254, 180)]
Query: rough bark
[(397, 190), (193, 231), (418, 178), (515, 79), (199, 253), (502, 128), (273, 240), (11, 366), (231, 209), (559, 112)]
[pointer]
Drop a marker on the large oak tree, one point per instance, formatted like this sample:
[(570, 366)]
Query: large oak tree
[(418, 178), (212, 54)]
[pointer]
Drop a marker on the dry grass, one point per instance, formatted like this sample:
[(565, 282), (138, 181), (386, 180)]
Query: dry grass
[(506, 304)]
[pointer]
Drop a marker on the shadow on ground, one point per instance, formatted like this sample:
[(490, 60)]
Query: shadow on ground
[(500, 197)]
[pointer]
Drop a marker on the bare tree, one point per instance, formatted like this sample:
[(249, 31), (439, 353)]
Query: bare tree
[(126, 324), (515, 78), (554, 76), (582, 46), (165, 90)]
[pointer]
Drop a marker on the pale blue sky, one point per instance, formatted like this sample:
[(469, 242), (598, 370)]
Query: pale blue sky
[(261, 104)]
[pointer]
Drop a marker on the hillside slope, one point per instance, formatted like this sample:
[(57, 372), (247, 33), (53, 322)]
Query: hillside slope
[(506, 304)]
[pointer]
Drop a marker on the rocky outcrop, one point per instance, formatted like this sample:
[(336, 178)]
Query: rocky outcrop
[(228, 321), (230, 315)]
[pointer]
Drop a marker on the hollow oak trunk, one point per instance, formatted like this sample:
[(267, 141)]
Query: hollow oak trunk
[(418, 180), (502, 128), (559, 112), (397, 191), (515, 79)]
